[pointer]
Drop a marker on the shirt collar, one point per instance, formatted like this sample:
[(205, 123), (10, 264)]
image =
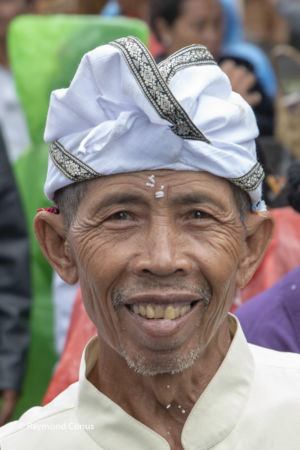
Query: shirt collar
[(211, 420)]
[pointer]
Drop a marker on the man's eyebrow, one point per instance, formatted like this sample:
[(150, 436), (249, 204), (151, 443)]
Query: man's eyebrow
[(120, 198), (196, 198)]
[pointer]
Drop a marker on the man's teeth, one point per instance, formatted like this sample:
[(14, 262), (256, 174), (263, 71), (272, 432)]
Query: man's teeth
[(151, 311)]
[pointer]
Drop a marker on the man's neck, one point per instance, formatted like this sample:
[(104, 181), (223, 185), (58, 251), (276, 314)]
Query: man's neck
[(161, 402)]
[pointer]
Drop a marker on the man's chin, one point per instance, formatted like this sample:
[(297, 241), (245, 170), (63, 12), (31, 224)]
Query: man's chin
[(161, 364)]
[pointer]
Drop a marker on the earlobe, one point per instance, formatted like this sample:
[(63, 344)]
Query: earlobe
[(259, 234), (51, 233)]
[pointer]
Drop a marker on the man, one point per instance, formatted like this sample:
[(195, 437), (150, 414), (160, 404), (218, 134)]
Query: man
[(153, 170), (15, 292)]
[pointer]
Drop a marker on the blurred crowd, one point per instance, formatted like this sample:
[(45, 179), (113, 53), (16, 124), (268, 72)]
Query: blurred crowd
[(256, 43)]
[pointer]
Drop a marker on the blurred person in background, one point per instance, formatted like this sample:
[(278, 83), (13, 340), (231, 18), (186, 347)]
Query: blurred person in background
[(179, 23), (15, 291), (293, 186), (11, 115), (264, 22), (290, 9), (68, 6), (139, 10), (130, 8)]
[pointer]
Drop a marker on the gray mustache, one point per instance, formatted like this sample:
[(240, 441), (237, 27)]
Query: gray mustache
[(203, 292)]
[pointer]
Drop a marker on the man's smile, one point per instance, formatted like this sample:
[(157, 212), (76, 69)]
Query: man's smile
[(167, 307), (153, 311), (159, 316)]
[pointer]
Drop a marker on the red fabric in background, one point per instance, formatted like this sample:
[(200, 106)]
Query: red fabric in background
[(282, 255)]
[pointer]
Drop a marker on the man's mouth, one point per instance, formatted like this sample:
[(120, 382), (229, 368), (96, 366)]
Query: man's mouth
[(161, 310), (161, 315)]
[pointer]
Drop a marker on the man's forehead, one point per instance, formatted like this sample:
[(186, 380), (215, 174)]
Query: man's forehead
[(151, 178), (179, 187)]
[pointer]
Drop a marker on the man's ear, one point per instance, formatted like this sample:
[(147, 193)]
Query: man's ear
[(51, 233), (258, 236)]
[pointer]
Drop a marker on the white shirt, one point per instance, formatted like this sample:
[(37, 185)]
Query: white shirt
[(12, 120), (252, 402)]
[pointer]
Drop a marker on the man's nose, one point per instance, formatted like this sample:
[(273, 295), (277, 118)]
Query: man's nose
[(163, 253)]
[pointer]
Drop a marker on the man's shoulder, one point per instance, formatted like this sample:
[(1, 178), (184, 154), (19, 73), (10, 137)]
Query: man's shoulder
[(276, 387), (39, 419), (275, 358), (277, 371)]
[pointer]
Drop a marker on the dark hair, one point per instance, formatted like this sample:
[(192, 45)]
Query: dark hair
[(67, 200), (242, 200), (293, 185), (168, 10)]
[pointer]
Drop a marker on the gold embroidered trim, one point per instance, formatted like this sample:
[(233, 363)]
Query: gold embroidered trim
[(194, 55), (250, 180), (155, 88), (72, 167)]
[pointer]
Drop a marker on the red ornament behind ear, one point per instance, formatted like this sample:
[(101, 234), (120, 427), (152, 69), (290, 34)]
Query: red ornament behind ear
[(52, 210)]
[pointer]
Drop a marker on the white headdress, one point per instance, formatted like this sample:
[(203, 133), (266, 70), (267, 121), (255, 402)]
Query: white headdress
[(123, 113)]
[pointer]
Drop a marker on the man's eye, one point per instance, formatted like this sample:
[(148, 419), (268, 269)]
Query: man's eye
[(120, 215), (197, 214)]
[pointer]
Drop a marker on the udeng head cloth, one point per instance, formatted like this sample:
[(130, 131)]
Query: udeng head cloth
[(123, 113)]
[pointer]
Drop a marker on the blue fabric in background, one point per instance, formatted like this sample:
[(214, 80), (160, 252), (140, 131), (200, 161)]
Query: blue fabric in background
[(112, 8), (234, 45)]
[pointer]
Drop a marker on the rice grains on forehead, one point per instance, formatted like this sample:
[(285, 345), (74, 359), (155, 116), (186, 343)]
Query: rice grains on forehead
[(67, 200)]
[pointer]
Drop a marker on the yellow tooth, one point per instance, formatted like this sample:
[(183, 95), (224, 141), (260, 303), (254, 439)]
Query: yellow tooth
[(185, 309), (182, 310), (177, 311), (169, 312), (159, 312), (135, 309), (149, 312), (142, 310)]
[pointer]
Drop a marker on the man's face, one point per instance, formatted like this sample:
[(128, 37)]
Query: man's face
[(157, 256), (9, 9), (200, 22)]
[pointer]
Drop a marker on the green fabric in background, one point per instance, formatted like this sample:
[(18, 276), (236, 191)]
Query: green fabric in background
[(44, 54)]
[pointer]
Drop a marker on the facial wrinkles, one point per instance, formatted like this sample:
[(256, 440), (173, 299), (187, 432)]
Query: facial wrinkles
[(226, 243), (228, 239), (109, 291), (91, 240), (219, 309)]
